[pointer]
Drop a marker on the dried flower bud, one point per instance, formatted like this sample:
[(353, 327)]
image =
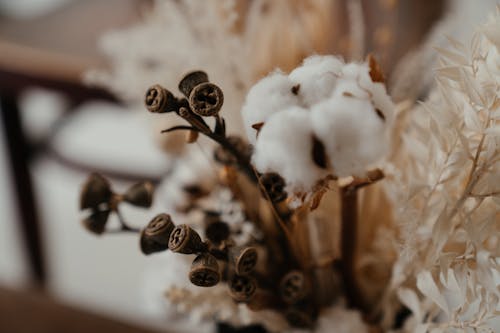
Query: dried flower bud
[(191, 80), (274, 185), (96, 222), (95, 191), (160, 100), (206, 99), (184, 239), (244, 259), (155, 236), (227, 157), (140, 194), (299, 318), (205, 271), (242, 288), (294, 287), (217, 231)]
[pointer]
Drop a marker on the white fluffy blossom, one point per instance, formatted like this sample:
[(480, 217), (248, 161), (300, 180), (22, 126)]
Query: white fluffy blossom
[(316, 78), (326, 100), (285, 145), (270, 95)]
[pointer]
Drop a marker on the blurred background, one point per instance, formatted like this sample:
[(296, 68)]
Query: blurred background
[(56, 129)]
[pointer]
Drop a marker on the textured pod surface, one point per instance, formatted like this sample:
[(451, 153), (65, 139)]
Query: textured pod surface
[(95, 191), (204, 271), (294, 287), (242, 288), (155, 236), (191, 80), (140, 194), (206, 99), (159, 100), (244, 259), (184, 239)]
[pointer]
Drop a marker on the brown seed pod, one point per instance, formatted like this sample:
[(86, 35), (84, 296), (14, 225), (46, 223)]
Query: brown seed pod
[(204, 271), (184, 239), (294, 287), (274, 185), (95, 191), (140, 194), (217, 231), (299, 318), (155, 236), (242, 288), (244, 259), (96, 222), (160, 100), (206, 99), (191, 80)]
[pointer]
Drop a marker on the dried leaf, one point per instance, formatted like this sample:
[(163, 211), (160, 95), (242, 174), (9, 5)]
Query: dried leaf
[(428, 287)]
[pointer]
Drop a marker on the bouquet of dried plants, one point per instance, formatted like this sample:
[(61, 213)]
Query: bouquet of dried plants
[(336, 210)]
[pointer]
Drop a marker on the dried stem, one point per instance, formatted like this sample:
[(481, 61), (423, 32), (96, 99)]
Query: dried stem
[(349, 207), (349, 220)]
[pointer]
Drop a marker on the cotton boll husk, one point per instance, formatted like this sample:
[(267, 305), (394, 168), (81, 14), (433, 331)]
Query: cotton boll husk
[(284, 145), (270, 95), (355, 137), (317, 77)]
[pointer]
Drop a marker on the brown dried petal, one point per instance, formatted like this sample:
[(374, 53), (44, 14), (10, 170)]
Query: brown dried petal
[(206, 99), (155, 236), (140, 194), (205, 271), (376, 73), (95, 191)]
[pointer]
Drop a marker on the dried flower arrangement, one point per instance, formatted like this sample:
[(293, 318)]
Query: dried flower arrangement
[(342, 212)]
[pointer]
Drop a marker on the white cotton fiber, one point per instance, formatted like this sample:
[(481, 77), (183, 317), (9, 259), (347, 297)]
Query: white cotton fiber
[(335, 103), (270, 95), (353, 134), (317, 77), (285, 146)]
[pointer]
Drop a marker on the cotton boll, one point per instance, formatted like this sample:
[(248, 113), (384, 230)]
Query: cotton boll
[(284, 146), (270, 95), (317, 77), (359, 74), (354, 135)]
